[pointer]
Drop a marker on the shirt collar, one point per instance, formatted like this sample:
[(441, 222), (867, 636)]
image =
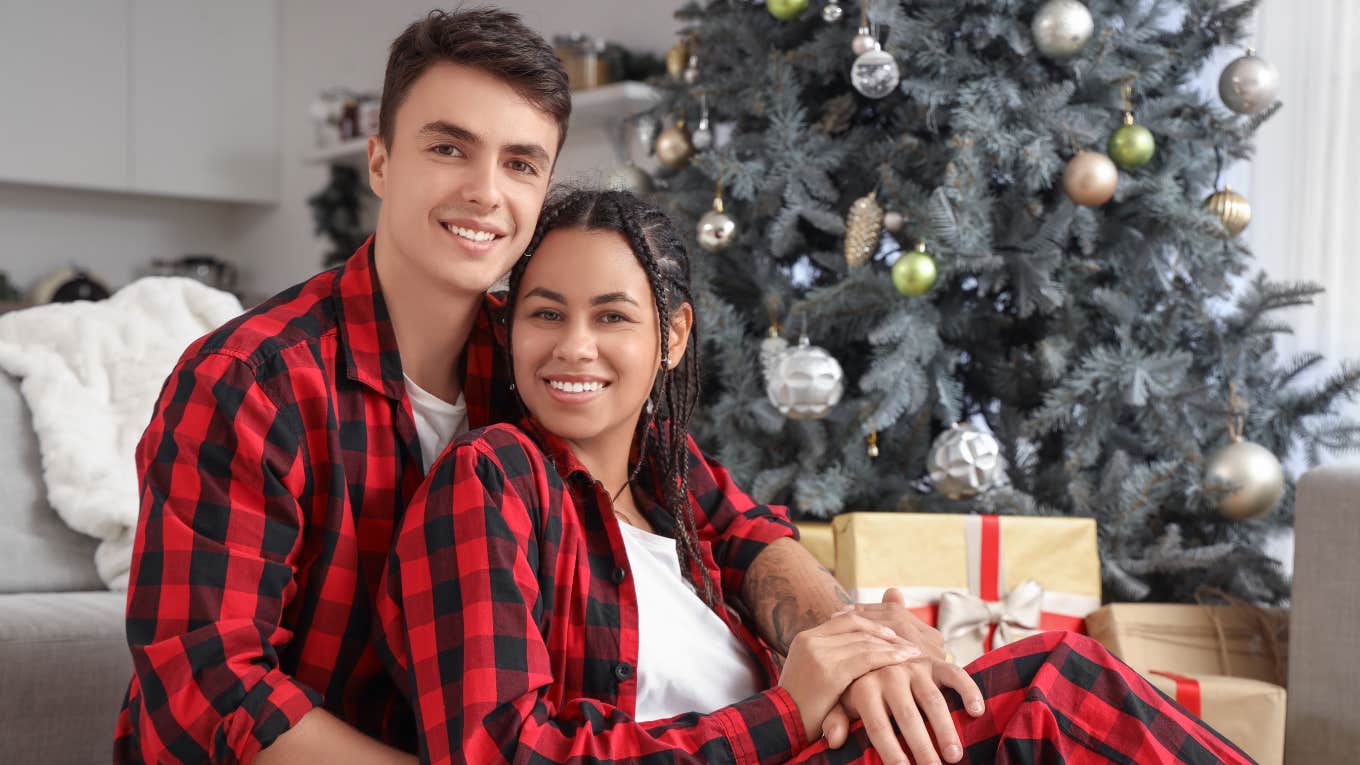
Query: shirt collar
[(369, 343)]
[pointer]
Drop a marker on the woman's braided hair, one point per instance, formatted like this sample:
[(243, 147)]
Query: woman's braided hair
[(663, 431)]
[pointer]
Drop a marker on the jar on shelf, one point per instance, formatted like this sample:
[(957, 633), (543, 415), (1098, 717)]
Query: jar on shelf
[(581, 57)]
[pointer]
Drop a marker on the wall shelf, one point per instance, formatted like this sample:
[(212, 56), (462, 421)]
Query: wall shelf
[(596, 109)]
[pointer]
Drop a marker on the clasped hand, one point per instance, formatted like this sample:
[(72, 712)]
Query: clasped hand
[(880, 664)]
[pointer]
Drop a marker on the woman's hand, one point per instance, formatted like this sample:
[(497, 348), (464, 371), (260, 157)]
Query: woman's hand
[(824, 660), (906, 693)]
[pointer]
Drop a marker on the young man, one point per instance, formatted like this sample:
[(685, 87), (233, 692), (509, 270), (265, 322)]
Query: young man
[(286, 445)]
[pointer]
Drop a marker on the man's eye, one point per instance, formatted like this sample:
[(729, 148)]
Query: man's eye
[(448, 150), (521, 166)]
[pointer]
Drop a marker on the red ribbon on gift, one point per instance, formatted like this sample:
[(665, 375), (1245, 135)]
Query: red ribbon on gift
[(1187, 691), (990, 586)]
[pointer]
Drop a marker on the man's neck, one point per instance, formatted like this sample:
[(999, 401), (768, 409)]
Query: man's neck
[(431, 323)]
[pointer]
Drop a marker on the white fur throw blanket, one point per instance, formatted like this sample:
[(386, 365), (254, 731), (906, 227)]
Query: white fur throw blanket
[(91, 372)]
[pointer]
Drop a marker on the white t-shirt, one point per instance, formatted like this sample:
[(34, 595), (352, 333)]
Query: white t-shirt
[(437, 421), (688, 660)]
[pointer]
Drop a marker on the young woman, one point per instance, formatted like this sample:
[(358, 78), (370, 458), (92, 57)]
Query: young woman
[(551, 600)]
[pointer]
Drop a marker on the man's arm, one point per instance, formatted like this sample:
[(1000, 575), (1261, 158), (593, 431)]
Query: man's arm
[(321, 737), (787, 590)]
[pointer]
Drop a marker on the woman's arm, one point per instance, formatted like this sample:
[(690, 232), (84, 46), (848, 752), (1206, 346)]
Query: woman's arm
[(469, 583)]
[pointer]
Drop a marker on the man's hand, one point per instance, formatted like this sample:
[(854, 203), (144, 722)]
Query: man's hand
[(903, 692)]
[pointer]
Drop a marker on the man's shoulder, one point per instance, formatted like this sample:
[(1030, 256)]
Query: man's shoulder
[(302, 314)]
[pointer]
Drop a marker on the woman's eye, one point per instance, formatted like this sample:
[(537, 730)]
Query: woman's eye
[(546, 314), (613, 318)]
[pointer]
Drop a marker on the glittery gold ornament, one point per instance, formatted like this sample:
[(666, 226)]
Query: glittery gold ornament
[(677, 58), (1231, 208), (673, 147), (863, 226)]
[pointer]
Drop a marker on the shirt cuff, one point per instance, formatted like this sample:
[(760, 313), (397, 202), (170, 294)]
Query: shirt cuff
[(764, 729), (270, 709)]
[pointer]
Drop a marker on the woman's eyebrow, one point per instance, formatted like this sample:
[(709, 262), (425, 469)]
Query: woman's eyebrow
[(613, 297)]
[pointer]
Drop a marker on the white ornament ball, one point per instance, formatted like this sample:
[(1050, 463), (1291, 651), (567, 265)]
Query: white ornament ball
[(893, 221), (832, 12), (629, 177), (1062, 28), (702, 137), (875, 73), (863, 42), (716, 230), (1248, 84), (805, 382), (965, 462), (1252, 473)]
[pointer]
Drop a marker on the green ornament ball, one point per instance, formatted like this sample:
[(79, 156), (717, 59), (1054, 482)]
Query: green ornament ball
[(914, 273), (1131, 146), (786, 10)]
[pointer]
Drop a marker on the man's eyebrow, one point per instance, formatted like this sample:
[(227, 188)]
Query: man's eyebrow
[(612, 297), (448, 130), (443, 129)]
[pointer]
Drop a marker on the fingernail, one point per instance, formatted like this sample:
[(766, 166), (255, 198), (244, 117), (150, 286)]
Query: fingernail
[(976, 708), (953, 753)]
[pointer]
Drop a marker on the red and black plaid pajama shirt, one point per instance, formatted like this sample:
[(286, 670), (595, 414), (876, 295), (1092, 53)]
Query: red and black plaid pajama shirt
[(512, 625), (276, 468)]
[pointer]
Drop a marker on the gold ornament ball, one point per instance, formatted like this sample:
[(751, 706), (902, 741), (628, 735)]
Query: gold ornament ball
[(914, 273), (786, 10), (673, 147), (1131, 146), (716, 230), (1090, 178), (1252, 474), (1232, 209), (677, 59)]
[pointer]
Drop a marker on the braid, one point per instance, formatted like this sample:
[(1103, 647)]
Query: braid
[(663, 430)]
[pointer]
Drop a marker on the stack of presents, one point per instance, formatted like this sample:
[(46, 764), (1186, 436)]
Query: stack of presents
[(984, 581)]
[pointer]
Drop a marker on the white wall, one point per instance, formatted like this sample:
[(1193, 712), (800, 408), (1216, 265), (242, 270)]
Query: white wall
[(328, 43)]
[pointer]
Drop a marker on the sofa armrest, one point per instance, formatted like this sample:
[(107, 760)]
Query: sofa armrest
[(1324, 624), (64, 667)]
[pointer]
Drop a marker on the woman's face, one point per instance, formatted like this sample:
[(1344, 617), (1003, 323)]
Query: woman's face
[(584, 338)]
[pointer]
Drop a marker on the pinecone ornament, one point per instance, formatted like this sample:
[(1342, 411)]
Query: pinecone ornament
[(863, 226)]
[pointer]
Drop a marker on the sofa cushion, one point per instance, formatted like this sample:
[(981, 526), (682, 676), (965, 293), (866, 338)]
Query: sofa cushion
[(42, 554), (64, 668)]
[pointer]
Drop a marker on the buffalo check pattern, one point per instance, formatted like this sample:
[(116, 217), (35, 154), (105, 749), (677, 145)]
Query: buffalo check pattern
[(276, 468)]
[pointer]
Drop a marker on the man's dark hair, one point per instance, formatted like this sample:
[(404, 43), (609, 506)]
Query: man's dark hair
[(488, 39)]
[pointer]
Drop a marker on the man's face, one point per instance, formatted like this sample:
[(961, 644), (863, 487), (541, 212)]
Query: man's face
[(464, 178)]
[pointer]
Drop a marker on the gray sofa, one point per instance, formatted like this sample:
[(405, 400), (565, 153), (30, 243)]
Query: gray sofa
[(64, 662)]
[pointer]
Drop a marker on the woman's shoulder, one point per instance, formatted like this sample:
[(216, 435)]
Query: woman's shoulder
[(504, 447)]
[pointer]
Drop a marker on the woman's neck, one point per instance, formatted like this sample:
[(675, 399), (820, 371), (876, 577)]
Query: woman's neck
[(605, 457)]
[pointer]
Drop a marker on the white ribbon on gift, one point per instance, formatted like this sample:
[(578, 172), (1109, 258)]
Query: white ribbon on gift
[(965, 620)]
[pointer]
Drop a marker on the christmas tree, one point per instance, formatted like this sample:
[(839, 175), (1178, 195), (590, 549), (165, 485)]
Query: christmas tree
[(927, 191)]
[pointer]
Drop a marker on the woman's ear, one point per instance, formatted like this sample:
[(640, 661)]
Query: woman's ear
[(682, 320)]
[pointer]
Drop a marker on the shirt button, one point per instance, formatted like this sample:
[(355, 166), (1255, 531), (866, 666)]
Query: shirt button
[(623, 671), (619, 575)]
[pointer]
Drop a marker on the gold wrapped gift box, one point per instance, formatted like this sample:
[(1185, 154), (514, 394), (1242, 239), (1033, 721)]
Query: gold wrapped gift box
[(984, 580), (1249, 713), (817, 538)]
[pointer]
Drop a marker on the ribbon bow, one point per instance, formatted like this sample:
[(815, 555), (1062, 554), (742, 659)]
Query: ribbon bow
[(966, 620)]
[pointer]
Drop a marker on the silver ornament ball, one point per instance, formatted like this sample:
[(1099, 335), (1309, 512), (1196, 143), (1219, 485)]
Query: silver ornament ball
[(965, 462), (702, 137), (864, 42), (716, 230), (1248, 85), (875, 73), (832, 12), (1062, 28), (1251, 474), (629, 177), (805, 382)]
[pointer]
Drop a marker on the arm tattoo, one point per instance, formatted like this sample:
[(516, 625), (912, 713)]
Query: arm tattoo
[(788, 591)]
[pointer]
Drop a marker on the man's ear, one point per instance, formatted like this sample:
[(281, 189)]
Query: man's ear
[(377, 165), (682, 320)]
